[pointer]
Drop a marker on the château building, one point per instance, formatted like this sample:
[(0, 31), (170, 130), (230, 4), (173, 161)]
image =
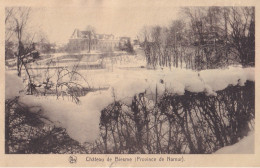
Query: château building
[(88, 40)]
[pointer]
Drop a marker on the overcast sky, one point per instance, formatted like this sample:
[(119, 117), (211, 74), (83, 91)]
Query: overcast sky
[(121, 18)]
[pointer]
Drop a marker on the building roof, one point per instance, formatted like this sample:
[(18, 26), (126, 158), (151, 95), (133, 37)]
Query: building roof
[(81, 34), (78, 34), (84, 34)]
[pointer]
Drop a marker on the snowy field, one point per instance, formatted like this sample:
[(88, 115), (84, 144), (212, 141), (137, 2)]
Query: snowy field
[(124, 76)]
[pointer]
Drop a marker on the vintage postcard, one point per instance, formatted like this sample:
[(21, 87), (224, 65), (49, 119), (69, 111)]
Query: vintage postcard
[(127, 83)]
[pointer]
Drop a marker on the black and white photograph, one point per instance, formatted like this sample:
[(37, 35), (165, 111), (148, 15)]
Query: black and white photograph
[(129, 77)]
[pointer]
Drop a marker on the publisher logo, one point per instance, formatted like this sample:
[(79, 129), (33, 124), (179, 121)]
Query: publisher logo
[(72, 159)]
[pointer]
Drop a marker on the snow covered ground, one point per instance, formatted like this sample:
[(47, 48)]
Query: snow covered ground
[(244, 146), (125, 77), (128, 82)]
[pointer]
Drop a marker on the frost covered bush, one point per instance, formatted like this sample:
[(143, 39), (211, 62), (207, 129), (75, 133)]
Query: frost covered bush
[(189, 123), (27, 130), (178, 111)]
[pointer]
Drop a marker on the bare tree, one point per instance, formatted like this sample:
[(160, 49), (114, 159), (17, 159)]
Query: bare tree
[(17, 20), (91, 33), (9, 12), (242, 23)]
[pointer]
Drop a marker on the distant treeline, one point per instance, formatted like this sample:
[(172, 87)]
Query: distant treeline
[(203, 38)]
